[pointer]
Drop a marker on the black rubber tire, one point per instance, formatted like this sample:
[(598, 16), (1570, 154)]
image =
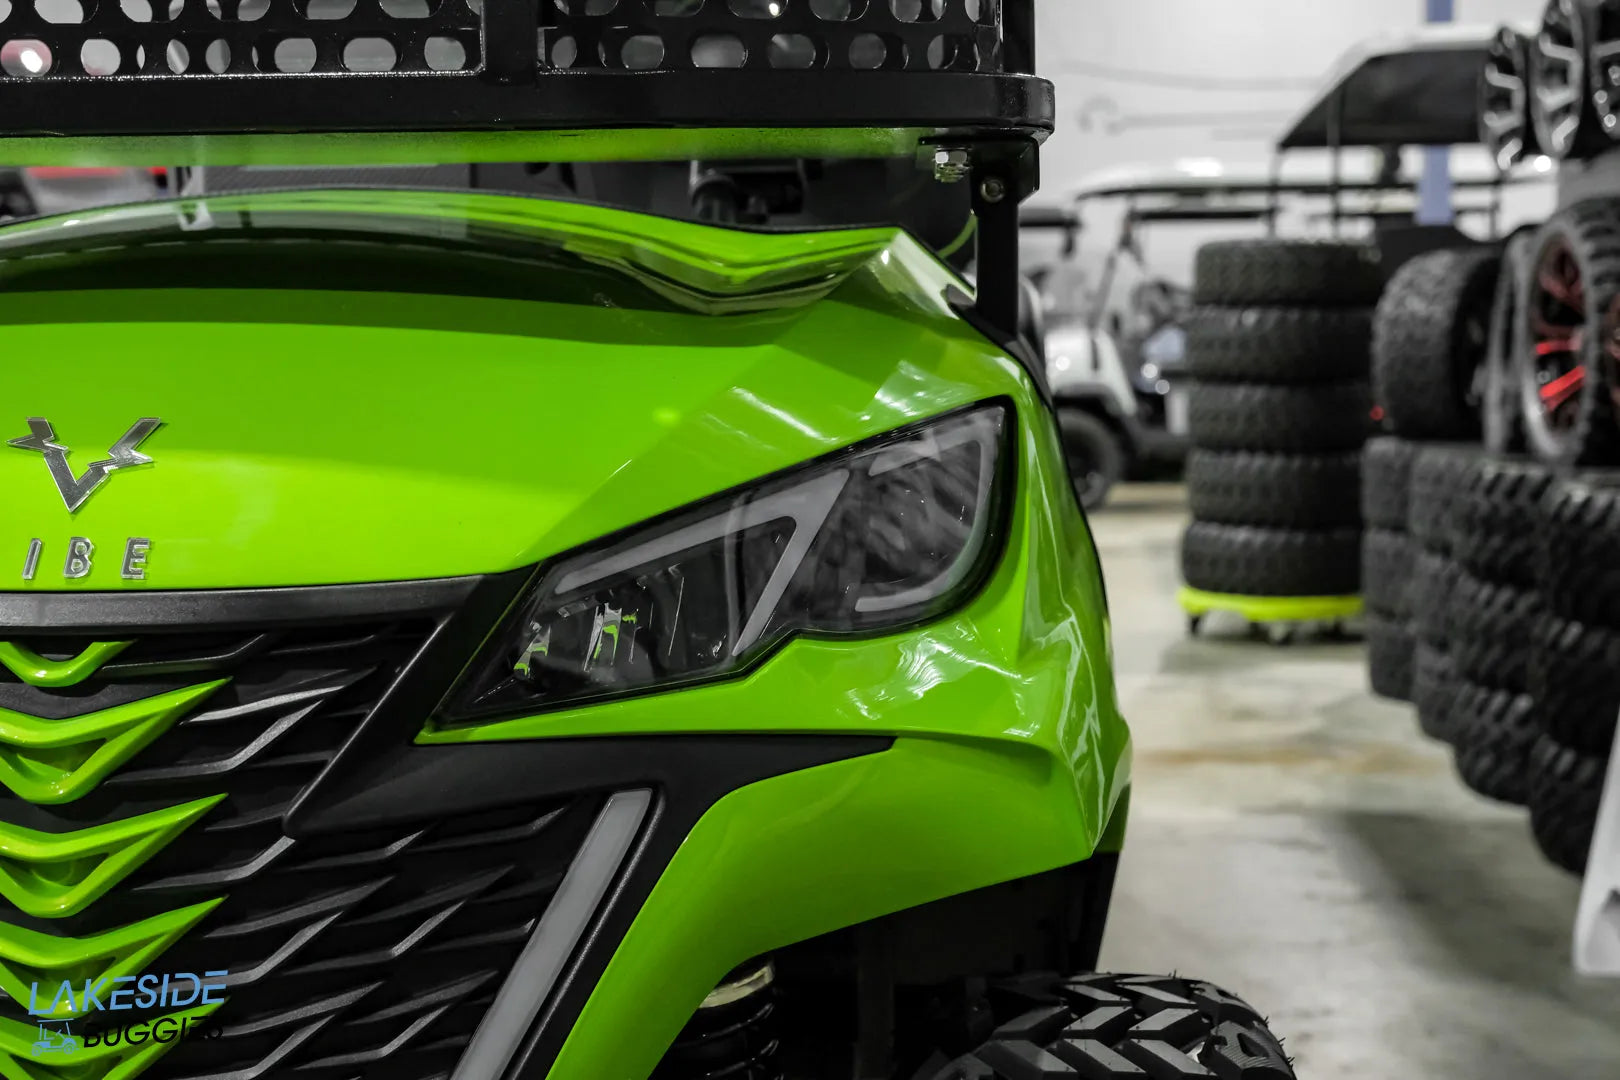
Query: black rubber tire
[(1279, 345), (1434, 692), (1289, 491), (1578, 558), (1387, 561), (1390, 655), (1429, 342), (1566, 787), (1592, 231), (1123, 1027), (1495, 730), (1248, 560), (1434, 579), (1496, 517), (1489, 630), (1575, 680), (1321, 419), (1501, 408), (1288, 273), (1095, 455), (1386, 481), (1437, 479)]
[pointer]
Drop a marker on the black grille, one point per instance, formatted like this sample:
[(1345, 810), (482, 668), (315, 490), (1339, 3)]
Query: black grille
[(345, 951)]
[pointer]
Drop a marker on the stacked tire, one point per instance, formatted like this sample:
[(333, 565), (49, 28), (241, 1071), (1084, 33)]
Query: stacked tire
[(1492, 613), (1278, 412), (1388, 554), (1437, 473), (1430, 337), (1566, 317), (1574, 662)]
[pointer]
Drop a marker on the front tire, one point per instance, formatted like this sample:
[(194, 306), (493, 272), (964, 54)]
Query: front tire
[(1114, 1027), (1094, 453)]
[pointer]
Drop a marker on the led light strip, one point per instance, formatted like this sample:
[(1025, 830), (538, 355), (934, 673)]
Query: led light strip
[(569, 914)]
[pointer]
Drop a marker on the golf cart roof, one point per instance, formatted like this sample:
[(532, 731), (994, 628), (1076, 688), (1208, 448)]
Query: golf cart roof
[(258, 82), (1414, 88), (1210, 181)]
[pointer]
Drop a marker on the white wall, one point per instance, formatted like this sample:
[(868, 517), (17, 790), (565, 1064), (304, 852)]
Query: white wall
[(1152, 81)]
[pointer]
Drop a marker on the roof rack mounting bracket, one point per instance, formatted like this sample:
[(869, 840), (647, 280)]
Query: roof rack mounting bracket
[(1003, 172)]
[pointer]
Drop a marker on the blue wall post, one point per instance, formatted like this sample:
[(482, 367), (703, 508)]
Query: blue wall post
[(1434, 186)]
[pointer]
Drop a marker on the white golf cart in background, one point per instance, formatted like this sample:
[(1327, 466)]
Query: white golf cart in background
[(1112, 389)]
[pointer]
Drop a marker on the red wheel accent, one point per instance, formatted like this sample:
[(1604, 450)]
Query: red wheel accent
[(1558, 329), (1563, 388)]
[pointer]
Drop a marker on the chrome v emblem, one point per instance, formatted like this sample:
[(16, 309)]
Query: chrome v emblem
[(75, 490)]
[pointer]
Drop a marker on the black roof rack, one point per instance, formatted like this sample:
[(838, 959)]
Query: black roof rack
[(240, 81), (344, 82)]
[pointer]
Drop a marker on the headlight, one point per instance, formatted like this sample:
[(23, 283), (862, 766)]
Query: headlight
[(885, 534)]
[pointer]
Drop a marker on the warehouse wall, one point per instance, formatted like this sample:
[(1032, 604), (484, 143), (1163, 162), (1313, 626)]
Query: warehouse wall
[(1153, 81)]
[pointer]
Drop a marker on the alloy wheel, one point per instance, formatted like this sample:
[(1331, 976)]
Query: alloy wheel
[(1558, 318), (1604, 58), (1504, 101), (1559, 99)]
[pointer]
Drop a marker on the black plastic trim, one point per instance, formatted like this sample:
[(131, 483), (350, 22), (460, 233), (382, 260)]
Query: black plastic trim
[(566, 101), (225, 609), (688, 773)]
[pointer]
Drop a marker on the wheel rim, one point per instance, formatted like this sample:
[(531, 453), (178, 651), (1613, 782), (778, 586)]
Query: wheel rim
[(1606, 69), (1504, 107), (1560, 79), (1558, 333)]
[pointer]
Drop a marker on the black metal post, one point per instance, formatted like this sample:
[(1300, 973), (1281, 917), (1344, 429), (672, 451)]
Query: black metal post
[(1018, 36), (512, 41), (1003, 174)]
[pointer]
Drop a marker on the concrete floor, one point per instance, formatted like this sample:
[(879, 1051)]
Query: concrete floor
[(1298, 841)]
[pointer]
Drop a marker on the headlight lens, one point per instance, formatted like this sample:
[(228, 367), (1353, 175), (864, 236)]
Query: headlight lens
[(887, 533)]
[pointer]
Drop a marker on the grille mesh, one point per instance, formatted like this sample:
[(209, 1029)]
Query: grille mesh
[(346, 952), (890, 35), (162, 39)]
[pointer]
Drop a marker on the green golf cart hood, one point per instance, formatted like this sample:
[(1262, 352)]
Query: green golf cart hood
[(366, 386)]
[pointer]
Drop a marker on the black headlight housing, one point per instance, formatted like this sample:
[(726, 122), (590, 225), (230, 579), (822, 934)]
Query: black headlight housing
[(886, 534)]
